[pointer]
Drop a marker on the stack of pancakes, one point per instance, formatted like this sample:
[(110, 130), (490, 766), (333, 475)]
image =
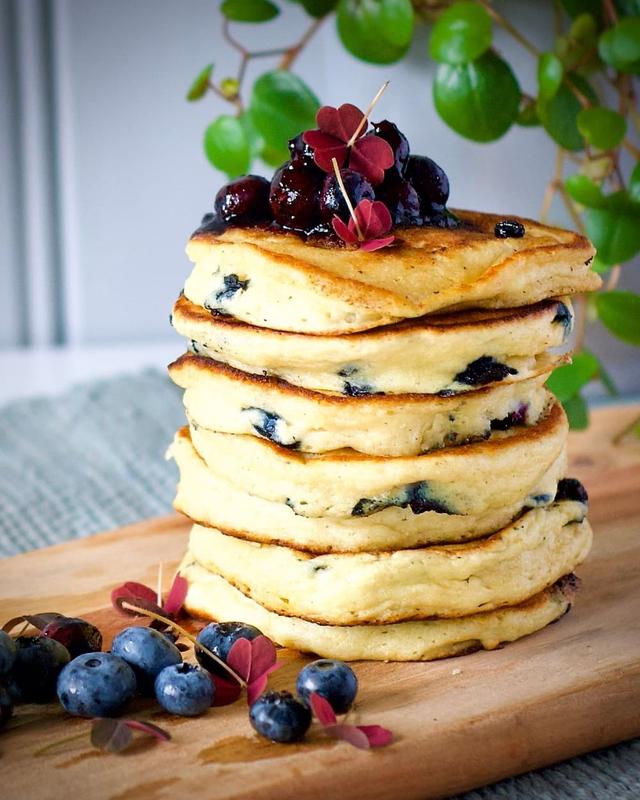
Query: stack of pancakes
[(373, 464)]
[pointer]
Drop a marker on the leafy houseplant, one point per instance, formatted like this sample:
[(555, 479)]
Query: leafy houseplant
[(585, 101)]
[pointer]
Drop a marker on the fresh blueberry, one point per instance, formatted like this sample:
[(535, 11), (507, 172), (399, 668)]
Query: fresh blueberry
[(244, 201), (280, 717), (77, 635), (37, 666), (571, 489), (509, 229), (6, 707), (430, 182), (8, 649), (11, 685), (96, 685), (399, 143), (333, 680), (147, 652), (332, 200), (219, 637), (184, 689)]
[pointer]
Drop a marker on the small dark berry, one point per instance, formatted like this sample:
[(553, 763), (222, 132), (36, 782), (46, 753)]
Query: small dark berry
[(37, 666), (8, 649), (484, 370), (332, 200), (6, 706), (399, 143), (219, 637), (514, 418), (184, 689), (571, 489), (301, 152), (401, 199), (295, 195), (96, 685), (509, 229), (147, 652), (333, 680), (279, 716), (429, 180), (244, 201)]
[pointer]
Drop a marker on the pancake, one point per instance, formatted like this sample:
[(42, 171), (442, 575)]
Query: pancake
[(438, 581), (449, 353), (463, 480), (277, 280), (213, 501), (224, 399), (211, 597)]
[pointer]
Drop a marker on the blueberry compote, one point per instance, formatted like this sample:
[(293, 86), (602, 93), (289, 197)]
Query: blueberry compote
[(302, 198)]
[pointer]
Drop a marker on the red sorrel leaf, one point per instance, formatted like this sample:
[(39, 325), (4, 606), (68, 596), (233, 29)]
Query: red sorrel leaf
[(377, 735), (349, 733), (239, 658), (322, 710), (149, 728), (226, 692), (374, 218), (112, 735), (376, 244), (263, 658), (325, 149), (39, 621), (176, 597), (341, 122), (256, 688), (370, 157), (137, 594), (344, 231)]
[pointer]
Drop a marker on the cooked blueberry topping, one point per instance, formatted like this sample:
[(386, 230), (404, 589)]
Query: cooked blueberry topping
[(332, 200), (399, 143), (295, 196), (571, 489), (430, 182), (513, 419), (401, 199), (232, 285), (211, 223), (416, 496), (484, 370), (301, 152), (272, 426), (563, 316), (509, 229), (244, 201), (440, 217)]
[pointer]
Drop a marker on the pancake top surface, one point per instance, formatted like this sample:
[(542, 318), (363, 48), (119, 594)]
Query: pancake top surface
[(315, 286)]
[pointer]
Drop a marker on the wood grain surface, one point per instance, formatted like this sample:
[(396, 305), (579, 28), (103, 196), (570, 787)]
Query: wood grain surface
[(458, 724)]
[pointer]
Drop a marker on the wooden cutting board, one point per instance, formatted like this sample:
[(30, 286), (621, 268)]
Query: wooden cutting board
[(458, 724)]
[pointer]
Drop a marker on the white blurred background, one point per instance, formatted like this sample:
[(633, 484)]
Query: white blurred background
[(103, 177)]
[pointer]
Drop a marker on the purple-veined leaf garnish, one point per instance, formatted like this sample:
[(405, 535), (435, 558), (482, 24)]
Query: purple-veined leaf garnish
[(115, 735), (176, 597), (39, 621), (361, 736)]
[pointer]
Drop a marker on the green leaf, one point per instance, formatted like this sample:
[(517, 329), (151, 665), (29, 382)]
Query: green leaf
[(620, 46), (567, 380), (378, 31), (528, 115), (281, 106), (584, 191), (614, 229), (607, 381), (599, 266), (461, 33), (602, 127), (318, 8), (227, 146), (577, 413), (478, 100), (576, 7), (634, 184), (274, 156), (559, 114), (200, 84), (619, 311), (249, 10), (550, 73)]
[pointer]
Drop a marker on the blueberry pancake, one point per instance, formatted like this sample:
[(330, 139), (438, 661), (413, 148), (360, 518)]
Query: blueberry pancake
[(213, 501), (278, 280), (227, 400), (437, 581), (465, 480), (445, 354), (211, 597)]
